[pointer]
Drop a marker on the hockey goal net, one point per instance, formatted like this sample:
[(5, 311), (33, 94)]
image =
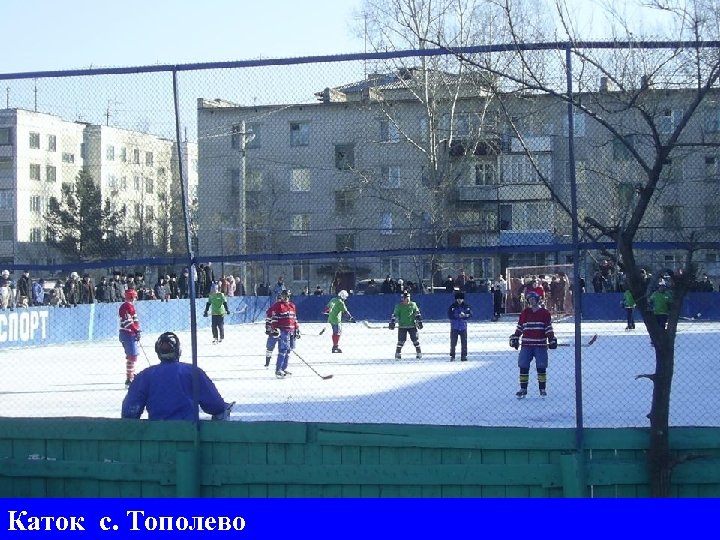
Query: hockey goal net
[(555, 279)]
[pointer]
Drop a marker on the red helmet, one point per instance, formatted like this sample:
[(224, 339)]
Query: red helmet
[(130, 294)]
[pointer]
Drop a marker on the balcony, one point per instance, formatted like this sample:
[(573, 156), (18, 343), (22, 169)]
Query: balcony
[(477, 193)]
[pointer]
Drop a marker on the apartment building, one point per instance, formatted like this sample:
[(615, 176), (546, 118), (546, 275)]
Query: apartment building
[(39, 152), (366, 168)]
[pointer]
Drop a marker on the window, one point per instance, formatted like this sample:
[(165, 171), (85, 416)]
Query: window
[(672, 170), (526, 216), (6, 163), (235, 134), (711, 168), (149, 159), (390, 266), (6, 232), (668, 120), (254, 139), (301, 271), (50, 173), (712, 216), (345, 156), (579, 120), (424, 128), (5, 136), (137, 211), (520, 169), (344, 202), (625, 193), (67, 157), (254, 180), (390, 175), (149, 213), (52, 143), (621, 151), (83, 150), (300, 180), (162, 172), (671, 219), (389, 131), (485, 174), (34, 140), (112, 182), (36, 204), (344, 242), (149, 185), (136, 156), (386, 223), (123, 154), (123, 183), (711, 117), (299, 133), (110, 152), (36, 234), (34, 171), (137, 183), (300, 225)]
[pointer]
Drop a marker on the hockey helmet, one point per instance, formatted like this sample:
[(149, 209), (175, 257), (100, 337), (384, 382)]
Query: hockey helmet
[(284, 294), (5, 273), (213, 288), (405, 295), (532, 295), (130, 294), (343, 295), (167, 346)]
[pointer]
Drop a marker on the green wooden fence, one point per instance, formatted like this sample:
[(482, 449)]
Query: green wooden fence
[(83, 457)]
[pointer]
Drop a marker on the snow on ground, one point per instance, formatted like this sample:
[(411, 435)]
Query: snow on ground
[(369, 386)]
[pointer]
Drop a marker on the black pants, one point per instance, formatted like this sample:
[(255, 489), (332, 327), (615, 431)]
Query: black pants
[(218, 326), (462, 334)]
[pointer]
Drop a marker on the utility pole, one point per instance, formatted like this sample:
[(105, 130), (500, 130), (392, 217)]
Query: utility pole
[(35, 91), (7, 97)]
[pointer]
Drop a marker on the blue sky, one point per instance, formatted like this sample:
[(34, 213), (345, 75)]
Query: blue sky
[(72, 34)]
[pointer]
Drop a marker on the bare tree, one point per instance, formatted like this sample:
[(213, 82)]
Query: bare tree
[(648, 111)]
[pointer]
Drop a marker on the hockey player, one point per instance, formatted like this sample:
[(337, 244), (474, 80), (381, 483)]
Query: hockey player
[(335, 309), (283, 318), (628, 303), (129, 333), (166, 389), (458, 313), (272, 335), (408, 320), (218, 304), (535, 327)]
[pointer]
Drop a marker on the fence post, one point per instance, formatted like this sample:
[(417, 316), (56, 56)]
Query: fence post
[(186, 474), (573, 474)]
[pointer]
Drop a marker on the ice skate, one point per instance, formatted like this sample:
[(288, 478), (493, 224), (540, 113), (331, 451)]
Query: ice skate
[(463, 359), (280, 374), (521, 394), (215, 341), (418, 356), (543, 393), (267, 361), (336, 349), (452, 358), (286, 372), (397, 356)]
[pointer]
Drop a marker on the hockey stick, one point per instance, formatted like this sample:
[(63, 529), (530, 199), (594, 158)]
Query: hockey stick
[(323, 377), (144, 353), (374, 327), (590, 342)]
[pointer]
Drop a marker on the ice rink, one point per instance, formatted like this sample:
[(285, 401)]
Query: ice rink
[(370, 386)]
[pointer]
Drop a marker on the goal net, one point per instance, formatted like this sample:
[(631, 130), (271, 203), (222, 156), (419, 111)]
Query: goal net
[(555, 279)]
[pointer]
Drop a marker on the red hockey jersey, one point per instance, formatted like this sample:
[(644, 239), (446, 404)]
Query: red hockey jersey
[(535, 327)]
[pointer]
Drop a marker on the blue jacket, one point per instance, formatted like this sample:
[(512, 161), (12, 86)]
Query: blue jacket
[(166, 391), (458, 315)]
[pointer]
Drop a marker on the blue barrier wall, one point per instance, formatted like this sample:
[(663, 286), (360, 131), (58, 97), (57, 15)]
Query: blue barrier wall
[(31, 327)]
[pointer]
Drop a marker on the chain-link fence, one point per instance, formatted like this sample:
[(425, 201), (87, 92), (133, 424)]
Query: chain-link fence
[(486, 170)]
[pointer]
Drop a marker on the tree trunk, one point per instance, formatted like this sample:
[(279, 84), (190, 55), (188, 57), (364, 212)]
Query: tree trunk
[(659, 458)]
